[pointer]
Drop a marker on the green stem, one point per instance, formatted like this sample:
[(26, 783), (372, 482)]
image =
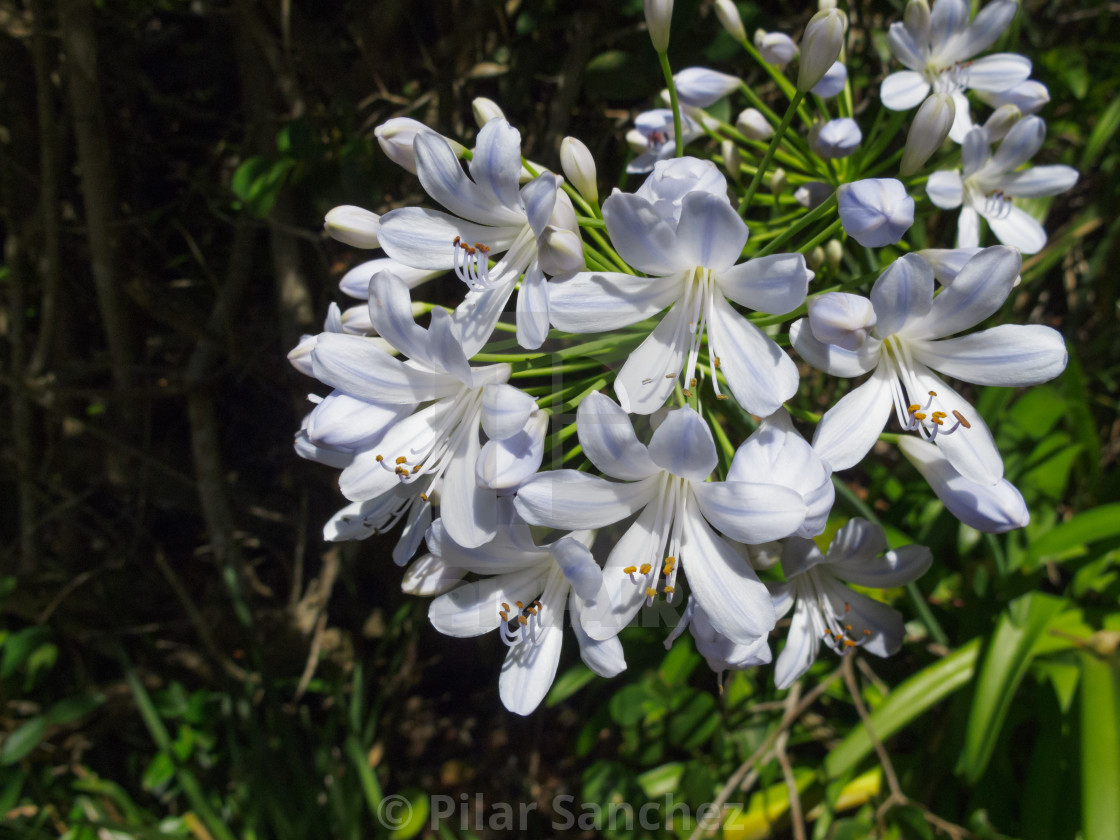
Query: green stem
[(744, 203), (674, 103), (813, 216)]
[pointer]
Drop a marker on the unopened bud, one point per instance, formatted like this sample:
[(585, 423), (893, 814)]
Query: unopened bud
[(778, 181), (579, 168), (812, 194), (1001, 121), (928, 131), (916, 18), (752, 125), (815, 258), (728, 15), (876, 211), (777, 48), (836, 138), (559, 251), (833, 254), (396, 138), (659, 14), (731, 159), (820, 47), (832, 82), (485, 110), (353, 225), (841, 319), (700, 87), (825, 5)]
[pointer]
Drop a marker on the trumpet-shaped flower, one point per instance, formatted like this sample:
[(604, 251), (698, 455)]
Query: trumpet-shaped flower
[(488, 215), (938, 48), (900, 336), (688, 242), (677, 508), (826, 609), (989, 182), (721, 653), (404, 422), (524, 595), (653, 137)]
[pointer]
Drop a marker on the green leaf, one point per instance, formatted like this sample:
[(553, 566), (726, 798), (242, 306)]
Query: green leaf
[(1107, 125), (159, 772), (1006, 661), (661, 780), (415, 817), (569, 683), (72, 708), (19, 646), (1088, 526), (904, 705), (23, 740), (1100, 747)]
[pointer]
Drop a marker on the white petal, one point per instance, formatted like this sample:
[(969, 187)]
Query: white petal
[(894, 568), (986, 27), (496, 163), (1011, 355), (991, 508), (962, 118), (903, 294), (422, 238), (948, 18), (976, 151), (638, 545), (642, 236), (978, 291), (472, 609), (530, 667), (1019, 229), (850, 428), (857, 543), (802, 647), (759, 373), (343, 422), (390, 311), (877, 627), (723, 583), (700, 87), (1021, 144), (569, 499), (968, 228), (945, 188), (468, 510), (683, 445), (321, 455), (998, 72), (579, 567), (355, 282), (710, 232), (875, 212), (479, 312), (647, 378), (359, 367), (427, 576), (419, 519), (947, 262), (750, 512), (607, 438), (505, 410), (603, 656), (843, 319), (723, 654), (904, 46), (903, 90), (594, 301), (782, 593), (1040, 181), (539, 196), (444, 180), (507, 463), (532, 308), (799, 555), (831, 358), (775, 284)]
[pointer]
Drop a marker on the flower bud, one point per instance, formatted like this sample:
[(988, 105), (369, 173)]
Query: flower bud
[(1001, 121), (916, 19), (833, 253), (928, 131), (579, 168), (353, 225), (559, 251), (876, 211), (815, 258), (825, 5), (832, 83), (836, 138), (778, 181), (396, 137), (485, 110), (659, 14), (700, 87), (731, 159), (841, 319), (776, 48), (820, 47), (728, 15), (991, 508), (752, 125), (812, 194)]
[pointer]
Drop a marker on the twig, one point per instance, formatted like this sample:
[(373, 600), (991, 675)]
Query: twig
[(796, 817)]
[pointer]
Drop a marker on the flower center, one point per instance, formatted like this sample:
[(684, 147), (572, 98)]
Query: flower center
[(461, 418), (667, 524), (927, 420), (950, 79), (521, 625)]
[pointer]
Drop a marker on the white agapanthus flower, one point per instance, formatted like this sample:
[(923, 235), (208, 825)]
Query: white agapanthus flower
[(684, 234), (989, 182), (826, 609), (489, 215), (700, 87), (419, 419), (939, 47), (720, 653), (776, 48), (991, 508), (653, 137), (665, 483), (525, 593), (900, 336)]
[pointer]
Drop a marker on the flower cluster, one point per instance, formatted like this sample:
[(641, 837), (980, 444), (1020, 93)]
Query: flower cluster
[(629, 441)]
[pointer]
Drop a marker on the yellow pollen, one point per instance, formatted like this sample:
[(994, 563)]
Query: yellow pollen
[(505, 606), (716, 362), (668, 590), (645, 568), (848, 608), (688, 393), (937, 421), (692, 382), (919, 415), (455, 242), (938, 414), (401, 460), (424, 497), (651, 593), (522, 620), (914, 407), (519, 605), (721, 396), (933, 393), (503, 615), (629, 570), (380, 458), (867, 632)]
